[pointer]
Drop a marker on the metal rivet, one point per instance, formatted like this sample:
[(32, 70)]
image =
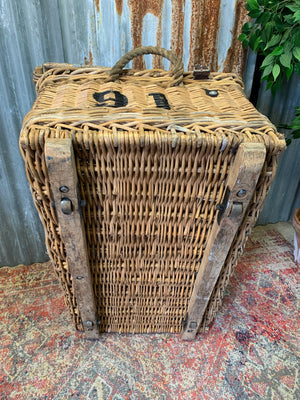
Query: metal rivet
[(66, 206), (79, 277), (89, 324), (241, 193), (193, 325), (64, 189), (212, 93)]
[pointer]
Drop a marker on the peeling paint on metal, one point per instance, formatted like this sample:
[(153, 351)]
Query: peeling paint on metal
[(210, 20), (236, 55), (119, 6), (195, 31), (227, 20), (97, 5), (177, 27), (89, 61), (138, 10), (158, 61)]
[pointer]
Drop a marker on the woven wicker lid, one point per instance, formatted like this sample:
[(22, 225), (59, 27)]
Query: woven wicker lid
[(98, 96)]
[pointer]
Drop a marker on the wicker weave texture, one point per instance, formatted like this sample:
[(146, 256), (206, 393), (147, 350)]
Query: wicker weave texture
[(151, 179)]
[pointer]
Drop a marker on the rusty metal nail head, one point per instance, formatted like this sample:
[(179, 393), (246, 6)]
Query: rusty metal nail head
[(64, 189), (66, 206), (241, 193), (212, 93)]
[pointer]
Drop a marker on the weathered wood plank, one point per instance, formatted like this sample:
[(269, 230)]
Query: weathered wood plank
[(240, 187), (64, 187)]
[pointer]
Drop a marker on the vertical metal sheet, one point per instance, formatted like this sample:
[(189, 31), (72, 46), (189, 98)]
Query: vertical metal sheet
[(95, 32), (284, 195)]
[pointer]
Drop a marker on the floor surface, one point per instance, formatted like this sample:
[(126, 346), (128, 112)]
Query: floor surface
[(251, 351)]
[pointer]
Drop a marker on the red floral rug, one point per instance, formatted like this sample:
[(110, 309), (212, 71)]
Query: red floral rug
[(250, 352)]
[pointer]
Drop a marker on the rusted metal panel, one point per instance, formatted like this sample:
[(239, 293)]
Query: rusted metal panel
[(284, 195), (177, 27), (138, 10), (202, 28), (236, 55), (209, 34)]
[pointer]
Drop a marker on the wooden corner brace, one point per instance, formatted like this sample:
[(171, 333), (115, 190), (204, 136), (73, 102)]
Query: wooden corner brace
[(241, 184), (64, 187)]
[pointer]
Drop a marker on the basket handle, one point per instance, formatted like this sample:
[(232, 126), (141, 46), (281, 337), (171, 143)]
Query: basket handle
[(177, 72)]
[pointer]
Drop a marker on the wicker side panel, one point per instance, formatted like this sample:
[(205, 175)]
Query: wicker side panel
[(150, 204), (32, 150), (240, 240), (149, 211)]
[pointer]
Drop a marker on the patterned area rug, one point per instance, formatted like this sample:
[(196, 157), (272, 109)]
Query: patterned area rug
[(251, 351)]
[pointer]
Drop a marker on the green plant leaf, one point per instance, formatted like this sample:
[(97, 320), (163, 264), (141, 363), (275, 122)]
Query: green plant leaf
[(289, 19), (263, 18), (252, 5), (253, 39), (267, 61), (276, 86), (296, 36), (276, 71), (288, 141), (274, 33), (269, 85), (245, 43), (254, 13), (296, 135), (296, 53), (269, 29), (274, 40), (247, 27), (267, 71), (289, 72), (285, 59), (279, 24), (292, 7), (288, 45), (297, 16), (256, 44), (242, 37), (277, 51), (297, 68)]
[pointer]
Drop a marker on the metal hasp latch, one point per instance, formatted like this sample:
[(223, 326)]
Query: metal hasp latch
[(201, 71), (65, 192), (241, 183)]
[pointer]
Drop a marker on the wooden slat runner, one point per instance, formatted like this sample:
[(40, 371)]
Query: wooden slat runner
[(241, 185), (64, 187)]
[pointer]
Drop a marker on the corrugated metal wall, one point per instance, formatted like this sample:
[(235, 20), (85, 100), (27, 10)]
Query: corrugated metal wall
[(284, 195), (36, 31)]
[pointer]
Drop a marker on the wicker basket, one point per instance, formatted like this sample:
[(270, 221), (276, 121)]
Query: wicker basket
[(147, 183)]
